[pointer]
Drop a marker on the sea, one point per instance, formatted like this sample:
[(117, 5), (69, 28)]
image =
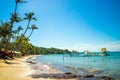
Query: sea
[(84, 65)]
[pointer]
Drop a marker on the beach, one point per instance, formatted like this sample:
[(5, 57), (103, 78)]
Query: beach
[(26, 68), (19, 69)]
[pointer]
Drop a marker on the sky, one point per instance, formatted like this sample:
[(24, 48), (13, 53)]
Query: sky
[(71, 24)]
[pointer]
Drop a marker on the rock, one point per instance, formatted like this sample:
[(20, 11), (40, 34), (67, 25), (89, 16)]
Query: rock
[(68, 73), (31, 62), (106, 78), (56, 76), (89, 76)]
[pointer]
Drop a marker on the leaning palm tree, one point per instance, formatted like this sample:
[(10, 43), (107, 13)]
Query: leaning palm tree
[(29, 17), (14, 18), (14, 15), (33, 27)]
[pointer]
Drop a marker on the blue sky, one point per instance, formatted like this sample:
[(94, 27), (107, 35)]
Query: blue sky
[(72, 24)]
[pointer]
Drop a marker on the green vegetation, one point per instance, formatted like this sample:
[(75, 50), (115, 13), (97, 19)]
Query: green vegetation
[(13, 39), (43, 51)]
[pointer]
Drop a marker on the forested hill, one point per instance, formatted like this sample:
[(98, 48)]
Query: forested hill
[(42, 50)]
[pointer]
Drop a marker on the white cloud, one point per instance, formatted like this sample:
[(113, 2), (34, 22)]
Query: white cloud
[(113, 46), (110, 46)]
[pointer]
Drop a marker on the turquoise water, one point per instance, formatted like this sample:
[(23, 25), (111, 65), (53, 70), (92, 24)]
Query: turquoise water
[(107, 65)]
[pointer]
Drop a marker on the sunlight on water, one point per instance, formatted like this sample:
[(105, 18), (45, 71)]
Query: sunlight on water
[(106, 65)]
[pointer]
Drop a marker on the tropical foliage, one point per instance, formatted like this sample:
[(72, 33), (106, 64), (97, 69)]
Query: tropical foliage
[(11, 37), (14, 38)]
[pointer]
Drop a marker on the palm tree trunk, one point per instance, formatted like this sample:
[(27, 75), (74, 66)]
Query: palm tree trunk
[(26, 27), (15, 8), (30, 34), (10, 35), (2, 43)]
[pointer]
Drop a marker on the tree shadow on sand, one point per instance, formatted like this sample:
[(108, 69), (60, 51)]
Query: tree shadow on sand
[(10, 62)]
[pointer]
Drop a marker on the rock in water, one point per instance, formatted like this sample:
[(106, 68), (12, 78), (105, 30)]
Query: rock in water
[(89, 76), (106, 78)]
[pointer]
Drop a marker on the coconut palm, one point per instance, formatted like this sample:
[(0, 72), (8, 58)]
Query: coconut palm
[(29, 17), (33, 27), (16, 32), (4, 32), (14, 18), (4, 29), (19, 29)]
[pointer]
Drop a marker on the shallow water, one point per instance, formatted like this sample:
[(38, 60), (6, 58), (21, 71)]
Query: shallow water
[(107, 65)]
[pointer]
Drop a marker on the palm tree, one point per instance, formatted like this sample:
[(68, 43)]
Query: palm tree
[(19, 29), (14, 18), (17, 32), (33, 27), (4, 32), (29, 17)]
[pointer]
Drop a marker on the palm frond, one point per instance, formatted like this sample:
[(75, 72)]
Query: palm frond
[(34, 18), (34, 26), (20, 1), (20, 28)]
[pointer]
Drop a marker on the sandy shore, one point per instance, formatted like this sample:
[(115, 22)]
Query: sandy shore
[(18, 69), (24, 69)]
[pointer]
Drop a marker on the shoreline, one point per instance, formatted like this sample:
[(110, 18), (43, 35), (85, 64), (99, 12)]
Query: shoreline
[(42, 70), (20, 69), (26, 69), (16, 69), (41, 67)]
